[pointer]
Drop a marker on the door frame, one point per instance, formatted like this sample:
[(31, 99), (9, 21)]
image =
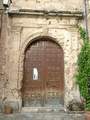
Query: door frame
[(36, 39)]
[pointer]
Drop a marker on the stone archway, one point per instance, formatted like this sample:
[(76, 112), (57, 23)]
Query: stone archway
[(43, 80)]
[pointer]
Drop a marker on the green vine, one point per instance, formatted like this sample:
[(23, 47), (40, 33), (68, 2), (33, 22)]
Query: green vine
[(83, 72)]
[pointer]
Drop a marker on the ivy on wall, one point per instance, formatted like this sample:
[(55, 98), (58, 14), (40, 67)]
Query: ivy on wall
[(83, 72)]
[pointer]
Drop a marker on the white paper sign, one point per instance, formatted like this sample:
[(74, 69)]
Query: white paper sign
[(35, 74), (6, 2)]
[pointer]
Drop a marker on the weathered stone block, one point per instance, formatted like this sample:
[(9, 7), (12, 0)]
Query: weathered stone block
[(75, 105), (11, 107)]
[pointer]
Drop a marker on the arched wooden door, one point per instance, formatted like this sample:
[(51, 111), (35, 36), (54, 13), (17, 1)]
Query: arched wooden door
[(43, 81)]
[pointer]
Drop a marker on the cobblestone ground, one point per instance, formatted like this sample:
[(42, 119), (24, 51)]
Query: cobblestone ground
[(43, 116)]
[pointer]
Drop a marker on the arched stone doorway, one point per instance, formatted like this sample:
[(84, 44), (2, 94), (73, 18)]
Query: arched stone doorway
[(43, 80)]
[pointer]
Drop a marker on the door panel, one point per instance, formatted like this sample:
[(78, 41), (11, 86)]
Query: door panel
[(54, 79), (32, 94), (43, 74)]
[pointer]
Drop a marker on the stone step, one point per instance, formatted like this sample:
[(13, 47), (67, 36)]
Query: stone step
[(42, 109), (44, 116)]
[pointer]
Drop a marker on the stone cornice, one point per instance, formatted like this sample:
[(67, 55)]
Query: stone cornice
[(77, 14)]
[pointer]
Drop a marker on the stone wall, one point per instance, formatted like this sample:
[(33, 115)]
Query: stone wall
[(19, 29), (73, 5), (3, 35), (89, 18), (89, 24)]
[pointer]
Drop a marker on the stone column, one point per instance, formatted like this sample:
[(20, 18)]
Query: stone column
[(71, 47), (11, 90)]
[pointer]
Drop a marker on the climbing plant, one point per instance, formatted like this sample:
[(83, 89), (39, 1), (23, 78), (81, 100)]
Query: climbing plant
[(83, 72)]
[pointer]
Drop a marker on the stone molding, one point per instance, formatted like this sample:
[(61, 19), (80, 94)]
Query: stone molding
[(29, 40), (77, 14)]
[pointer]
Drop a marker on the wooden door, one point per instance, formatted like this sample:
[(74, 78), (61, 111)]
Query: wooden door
[(43, 74)]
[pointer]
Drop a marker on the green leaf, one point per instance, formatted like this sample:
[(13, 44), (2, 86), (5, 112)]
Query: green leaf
[(83, 70)]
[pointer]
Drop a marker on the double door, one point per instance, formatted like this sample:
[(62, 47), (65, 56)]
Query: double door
[(43, 82)]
